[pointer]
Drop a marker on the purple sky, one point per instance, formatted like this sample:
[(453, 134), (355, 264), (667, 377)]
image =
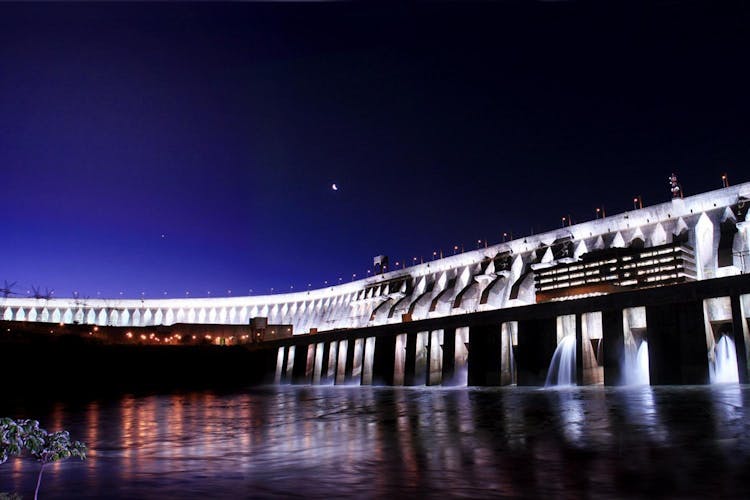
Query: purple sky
[(173, 147)]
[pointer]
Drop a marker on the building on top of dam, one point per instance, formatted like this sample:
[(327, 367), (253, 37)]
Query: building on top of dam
[(694, 238)]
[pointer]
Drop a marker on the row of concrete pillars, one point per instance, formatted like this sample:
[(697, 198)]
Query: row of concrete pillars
[(419, 358), (519, 352)]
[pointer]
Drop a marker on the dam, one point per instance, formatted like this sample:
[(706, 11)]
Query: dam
[(665, 282)]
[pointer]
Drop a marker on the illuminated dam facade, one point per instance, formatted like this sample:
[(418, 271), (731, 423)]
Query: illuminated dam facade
[(582, 280)]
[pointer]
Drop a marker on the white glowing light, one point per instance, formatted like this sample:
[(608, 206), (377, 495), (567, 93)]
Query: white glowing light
[(334, 187)]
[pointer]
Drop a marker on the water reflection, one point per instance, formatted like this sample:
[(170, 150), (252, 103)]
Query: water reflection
[(641, 414), (319, 442), (728, 413)]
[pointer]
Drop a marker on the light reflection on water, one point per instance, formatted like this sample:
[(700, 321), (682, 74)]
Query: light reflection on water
[(369, 442)]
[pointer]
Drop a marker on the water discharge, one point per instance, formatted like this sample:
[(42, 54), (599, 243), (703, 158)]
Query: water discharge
[(562, 368), (635, 366), (724, 369)]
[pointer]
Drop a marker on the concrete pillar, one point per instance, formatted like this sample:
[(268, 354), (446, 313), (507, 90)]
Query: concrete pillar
[(613, 338), (280, 363), (331, 362), (367, 361), (357, 347), (449, 356), (420, 358), (318, 371), (289, 370), (745, 310), (343, 348), (537, 341), (410, 359), (310, 364), (435, 358), (485, 350), (384, 361), (676, 344), (738, 330), (283, 379), (593, 371), (507, 360), (461, 356), (579, 349), (399, 365)]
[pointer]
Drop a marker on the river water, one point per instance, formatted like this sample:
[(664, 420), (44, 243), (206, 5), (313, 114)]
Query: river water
[(370, 442)]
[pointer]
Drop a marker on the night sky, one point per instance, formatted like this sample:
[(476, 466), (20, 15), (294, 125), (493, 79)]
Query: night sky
[(192, 147)]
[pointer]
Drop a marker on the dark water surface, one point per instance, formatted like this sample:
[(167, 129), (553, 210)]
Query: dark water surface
[(365, 442)]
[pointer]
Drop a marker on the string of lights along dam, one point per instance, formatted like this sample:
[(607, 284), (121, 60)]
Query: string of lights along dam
[(655, 295)]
